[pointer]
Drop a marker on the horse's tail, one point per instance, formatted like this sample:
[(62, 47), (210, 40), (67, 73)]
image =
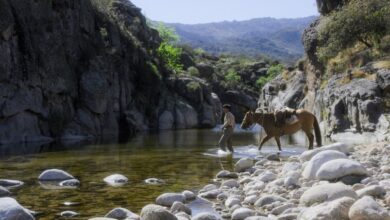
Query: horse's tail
[(317, 132)]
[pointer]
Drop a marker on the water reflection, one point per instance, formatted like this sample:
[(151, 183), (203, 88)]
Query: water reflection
[(176, 157)]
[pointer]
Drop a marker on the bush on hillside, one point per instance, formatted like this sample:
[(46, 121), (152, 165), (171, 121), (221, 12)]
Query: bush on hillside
[(272, 72), (232, 78), (360, 21), (168, 51)]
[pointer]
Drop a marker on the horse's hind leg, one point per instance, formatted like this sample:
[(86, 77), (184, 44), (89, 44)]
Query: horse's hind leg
[(278, 143), (310, 136), (264, 140)]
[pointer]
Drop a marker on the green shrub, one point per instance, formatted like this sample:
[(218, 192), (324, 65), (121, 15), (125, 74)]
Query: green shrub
[(168, 51), (171, 56), (232, 78), (364, 21), (272, 72), (193, 71), (193, 86)]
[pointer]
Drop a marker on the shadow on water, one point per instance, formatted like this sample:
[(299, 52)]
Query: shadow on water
[(177, 157)]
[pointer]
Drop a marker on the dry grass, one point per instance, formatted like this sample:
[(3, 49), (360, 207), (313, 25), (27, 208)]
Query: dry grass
[(384, 64), (356, 74), (286, 75)]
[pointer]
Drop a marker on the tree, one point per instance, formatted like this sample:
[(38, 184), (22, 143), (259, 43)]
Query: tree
[(364, 21)]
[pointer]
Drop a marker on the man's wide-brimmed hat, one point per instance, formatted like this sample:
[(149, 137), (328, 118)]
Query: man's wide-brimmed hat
[(227, 106)]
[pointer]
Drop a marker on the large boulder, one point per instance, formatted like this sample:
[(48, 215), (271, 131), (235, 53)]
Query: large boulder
[(156, 212), (318, 160), (335, 169), (167, 199), (307, 155), (336, 209), (367, 208), (243, 164), (326, 192), (11, 209), (54, 175)]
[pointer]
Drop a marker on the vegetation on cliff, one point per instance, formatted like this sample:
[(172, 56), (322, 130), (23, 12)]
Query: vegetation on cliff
[(354, 34)]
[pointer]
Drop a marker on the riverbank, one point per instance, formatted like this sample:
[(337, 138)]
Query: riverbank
[(332, 182)]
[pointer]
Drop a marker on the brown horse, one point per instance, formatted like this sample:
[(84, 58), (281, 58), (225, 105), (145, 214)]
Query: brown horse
[(306, 121)]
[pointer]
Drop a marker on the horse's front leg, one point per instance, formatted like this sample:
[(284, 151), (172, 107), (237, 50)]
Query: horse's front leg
[(277, 138), (264, 140)]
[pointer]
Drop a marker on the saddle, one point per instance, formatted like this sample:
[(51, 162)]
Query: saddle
[(284, 116)]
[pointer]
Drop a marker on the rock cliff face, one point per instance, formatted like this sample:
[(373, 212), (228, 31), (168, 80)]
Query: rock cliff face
[(71, 69), (342, 103)]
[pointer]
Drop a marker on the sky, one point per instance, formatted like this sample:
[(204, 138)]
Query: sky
[(205, 11)]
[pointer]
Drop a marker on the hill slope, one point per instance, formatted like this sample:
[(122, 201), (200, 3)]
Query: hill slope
[(277, 38)]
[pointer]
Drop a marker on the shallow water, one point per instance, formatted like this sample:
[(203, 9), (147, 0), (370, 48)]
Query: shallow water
[(186, 159)]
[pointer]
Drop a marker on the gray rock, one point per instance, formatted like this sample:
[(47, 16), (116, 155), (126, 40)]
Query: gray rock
[(156, 212), (224, 174), (167, 199), (189, 195), (367, 208), (280, 209), (206, 216), (338, 168), (243, 164), (230, 184), (336, 209), (122, 213), (183, 216), (257, 218), (166, 121), (242, 213), (383, 80), (11, 209), (178, 207), (374, 191), (318, 160), (116, 180), (289, 216), (273, 157), (266, 176), (232, 201), (326, 192), (54, 175), (154, 181), (212, 194), (10, 183), (69, 214), (4, 192), (268, 199), (307, 155)]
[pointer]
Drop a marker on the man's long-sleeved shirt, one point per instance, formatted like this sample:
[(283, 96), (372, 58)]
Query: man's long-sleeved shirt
[(229, 120)]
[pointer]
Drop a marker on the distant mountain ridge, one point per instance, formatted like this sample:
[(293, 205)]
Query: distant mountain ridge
[(277, 38)]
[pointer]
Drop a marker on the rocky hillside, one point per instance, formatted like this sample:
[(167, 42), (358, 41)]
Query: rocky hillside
[(349, 91), (276, 38), (77, 69)]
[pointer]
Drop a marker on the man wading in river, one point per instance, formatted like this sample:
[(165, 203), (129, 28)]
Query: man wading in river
[(227, 129)]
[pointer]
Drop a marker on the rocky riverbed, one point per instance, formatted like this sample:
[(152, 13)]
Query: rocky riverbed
[(333, 182)]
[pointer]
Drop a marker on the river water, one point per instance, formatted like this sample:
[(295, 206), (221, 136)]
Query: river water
[(185, 160)]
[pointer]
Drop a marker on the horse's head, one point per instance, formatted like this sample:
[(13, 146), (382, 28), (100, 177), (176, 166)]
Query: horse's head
[(248, 120)]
